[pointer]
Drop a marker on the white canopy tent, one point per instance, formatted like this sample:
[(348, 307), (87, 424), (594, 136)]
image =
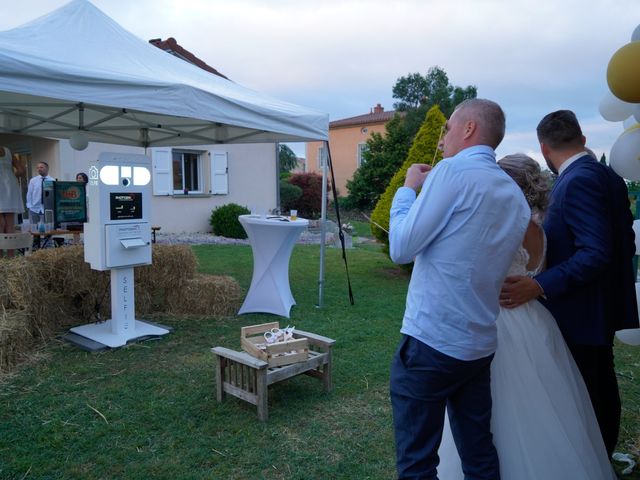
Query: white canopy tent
[(77, 70)]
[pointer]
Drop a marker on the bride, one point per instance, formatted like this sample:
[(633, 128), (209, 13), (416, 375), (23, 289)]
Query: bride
[(543, 423)]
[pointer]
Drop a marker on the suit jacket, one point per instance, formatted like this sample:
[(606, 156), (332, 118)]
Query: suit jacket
[(589, 283)]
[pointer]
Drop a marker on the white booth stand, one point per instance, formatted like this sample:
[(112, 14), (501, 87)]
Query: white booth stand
[(272, 241), (117, 238)]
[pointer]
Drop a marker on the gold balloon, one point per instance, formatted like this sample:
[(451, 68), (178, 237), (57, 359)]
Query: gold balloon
[(623, 73)]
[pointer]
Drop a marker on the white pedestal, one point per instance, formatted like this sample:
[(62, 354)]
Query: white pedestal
[(123, 327)]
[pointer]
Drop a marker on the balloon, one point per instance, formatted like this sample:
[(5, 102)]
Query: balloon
[(615, 110), (629, 122), (635, 36), (78, 141), (625, 154), (636, 230), (623, 73), (636, 113), (631, 336)]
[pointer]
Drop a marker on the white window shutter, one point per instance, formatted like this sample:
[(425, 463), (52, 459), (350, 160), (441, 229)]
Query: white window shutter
[(161, 166), (219, 173)]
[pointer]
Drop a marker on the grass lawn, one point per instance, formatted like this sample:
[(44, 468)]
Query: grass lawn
[(149, 410)]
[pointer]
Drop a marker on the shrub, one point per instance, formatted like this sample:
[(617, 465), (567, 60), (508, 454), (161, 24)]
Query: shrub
[(308, 205), (422, 151), (346, 204), (224, 221), (289, 194)]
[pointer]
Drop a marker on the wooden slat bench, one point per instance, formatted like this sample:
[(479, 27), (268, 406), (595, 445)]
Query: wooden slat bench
[(248, 378)]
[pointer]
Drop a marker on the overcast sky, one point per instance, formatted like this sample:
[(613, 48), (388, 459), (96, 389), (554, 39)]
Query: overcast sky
[(344, 56)]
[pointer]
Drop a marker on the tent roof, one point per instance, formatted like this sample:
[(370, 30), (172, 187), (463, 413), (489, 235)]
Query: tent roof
[(77, 68)]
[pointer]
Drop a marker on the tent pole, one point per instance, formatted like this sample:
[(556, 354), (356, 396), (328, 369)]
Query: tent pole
[(323, 222)]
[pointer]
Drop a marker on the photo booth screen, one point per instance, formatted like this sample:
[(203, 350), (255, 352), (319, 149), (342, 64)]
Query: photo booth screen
[(126, 206)]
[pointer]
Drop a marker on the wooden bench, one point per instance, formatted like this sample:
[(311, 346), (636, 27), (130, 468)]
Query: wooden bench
[(248, 378)]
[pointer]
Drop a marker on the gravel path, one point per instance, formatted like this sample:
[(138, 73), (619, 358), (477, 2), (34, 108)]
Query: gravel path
[(209, 238)]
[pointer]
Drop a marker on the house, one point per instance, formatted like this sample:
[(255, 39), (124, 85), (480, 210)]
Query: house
[(347, 141), (188, 182)]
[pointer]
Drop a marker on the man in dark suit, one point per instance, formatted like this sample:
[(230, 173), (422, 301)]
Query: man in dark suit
[(589, 283)]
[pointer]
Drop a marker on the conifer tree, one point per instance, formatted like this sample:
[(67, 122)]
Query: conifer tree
[(423, 150)]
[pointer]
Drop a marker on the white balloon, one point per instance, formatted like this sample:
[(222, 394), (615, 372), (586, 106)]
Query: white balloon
[(636, 113), (625, 155), (615, 110), (629, 122), (78, 141), (631, 336), (636, 230), (635, 36)]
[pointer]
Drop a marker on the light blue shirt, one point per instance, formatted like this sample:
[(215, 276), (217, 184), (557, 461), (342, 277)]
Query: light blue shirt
[(463, 231)]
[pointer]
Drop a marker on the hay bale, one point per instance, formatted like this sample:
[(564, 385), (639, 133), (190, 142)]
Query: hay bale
[(209, 295), (15, 338), (18, 283), (172, 266), (73, 291)]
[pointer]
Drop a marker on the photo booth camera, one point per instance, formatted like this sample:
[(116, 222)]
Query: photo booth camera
[(118, 238)]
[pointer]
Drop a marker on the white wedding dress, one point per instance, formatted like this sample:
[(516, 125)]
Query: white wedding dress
[(543, 424)]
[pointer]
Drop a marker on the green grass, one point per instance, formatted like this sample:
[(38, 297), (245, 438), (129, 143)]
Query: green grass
[(161, 419)]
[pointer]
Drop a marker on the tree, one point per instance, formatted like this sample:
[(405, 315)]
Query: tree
[(603, 159), (423, 150), (416, 94), (381, 159), (288, 159)]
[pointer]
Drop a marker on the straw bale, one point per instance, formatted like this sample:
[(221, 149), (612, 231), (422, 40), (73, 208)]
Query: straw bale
[(209, 295), (15, 338), (73, 291), (18, 283), (172, 266)]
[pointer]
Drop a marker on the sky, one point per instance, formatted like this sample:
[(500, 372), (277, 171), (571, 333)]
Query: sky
[(342, 57)]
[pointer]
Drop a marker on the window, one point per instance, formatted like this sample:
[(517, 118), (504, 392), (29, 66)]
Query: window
[(187, 171), (362, 147), (321, 156), (200, 172)]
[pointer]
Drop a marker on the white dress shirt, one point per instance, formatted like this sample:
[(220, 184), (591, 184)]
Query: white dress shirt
[(34, 193), (463, 231)]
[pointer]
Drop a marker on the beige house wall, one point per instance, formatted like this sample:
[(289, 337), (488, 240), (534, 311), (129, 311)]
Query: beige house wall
[(252, 177), (343, 142)]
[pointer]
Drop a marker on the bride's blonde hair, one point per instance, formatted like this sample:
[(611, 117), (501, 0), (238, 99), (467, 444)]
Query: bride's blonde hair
[(533, 182)]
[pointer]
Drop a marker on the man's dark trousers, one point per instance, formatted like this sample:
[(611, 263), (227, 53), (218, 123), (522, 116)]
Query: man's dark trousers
[(424, 382)]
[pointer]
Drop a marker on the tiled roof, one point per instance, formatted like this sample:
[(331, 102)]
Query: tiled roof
[(377, 115), (171, 46)]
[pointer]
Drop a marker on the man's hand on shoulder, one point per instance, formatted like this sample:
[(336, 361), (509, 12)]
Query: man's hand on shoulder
[(518, 290), (416, 175)]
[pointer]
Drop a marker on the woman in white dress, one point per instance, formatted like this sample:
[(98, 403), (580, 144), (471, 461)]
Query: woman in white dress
[(10, 195), (543, 423)]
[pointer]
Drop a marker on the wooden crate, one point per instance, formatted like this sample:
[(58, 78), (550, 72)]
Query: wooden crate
[(275, 354)]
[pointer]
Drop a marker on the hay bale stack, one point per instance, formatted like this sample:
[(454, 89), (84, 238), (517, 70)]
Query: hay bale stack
[(207, 295), (54, 288)]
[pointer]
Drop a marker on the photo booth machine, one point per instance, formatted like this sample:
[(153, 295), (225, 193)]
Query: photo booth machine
[(117, 237)]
